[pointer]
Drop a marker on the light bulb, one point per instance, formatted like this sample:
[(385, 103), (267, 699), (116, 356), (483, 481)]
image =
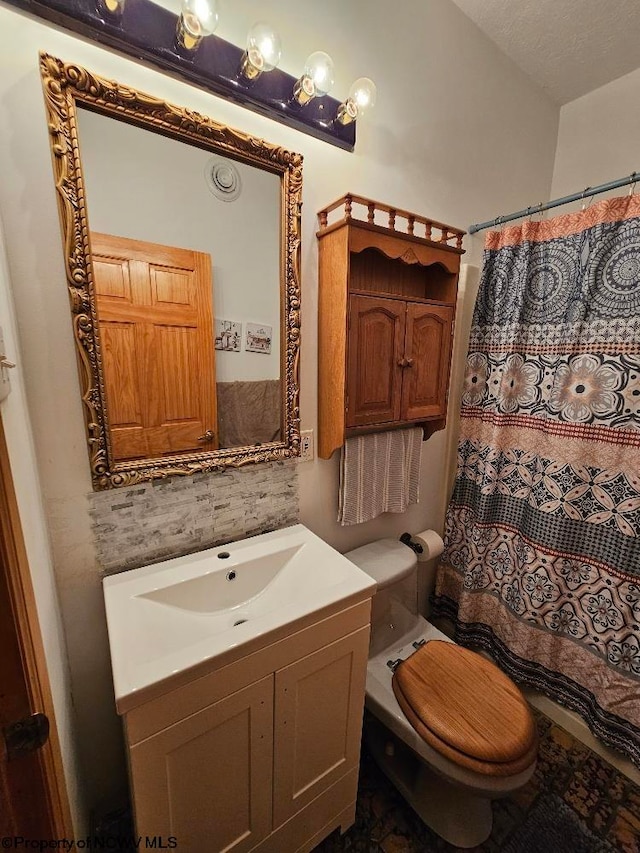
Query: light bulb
[(316, 79), (114, 8), (361, 97), (198, 18), (263, 51)]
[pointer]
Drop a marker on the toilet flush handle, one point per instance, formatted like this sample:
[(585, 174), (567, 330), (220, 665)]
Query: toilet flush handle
[(415, 546)]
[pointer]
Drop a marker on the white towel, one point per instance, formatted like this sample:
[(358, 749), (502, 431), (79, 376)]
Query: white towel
[(379, 472)]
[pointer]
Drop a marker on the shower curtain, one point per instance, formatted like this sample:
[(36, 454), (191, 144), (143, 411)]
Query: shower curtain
[(542, 559)]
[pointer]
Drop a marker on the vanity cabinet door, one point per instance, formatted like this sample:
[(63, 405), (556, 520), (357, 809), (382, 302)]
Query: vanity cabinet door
[(207, 779), (428, 351), (376, 345), (319, 704)]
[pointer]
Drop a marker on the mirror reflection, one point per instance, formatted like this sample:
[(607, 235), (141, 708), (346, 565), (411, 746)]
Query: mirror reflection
[(186, 248)]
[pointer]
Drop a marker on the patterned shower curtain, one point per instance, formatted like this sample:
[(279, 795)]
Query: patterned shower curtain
[(542, 559)]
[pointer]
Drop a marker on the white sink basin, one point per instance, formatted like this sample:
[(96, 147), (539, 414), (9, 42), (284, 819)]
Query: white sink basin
[(227, 585), (167, 618)]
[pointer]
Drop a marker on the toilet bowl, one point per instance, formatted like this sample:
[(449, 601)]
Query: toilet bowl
[(449, 728)]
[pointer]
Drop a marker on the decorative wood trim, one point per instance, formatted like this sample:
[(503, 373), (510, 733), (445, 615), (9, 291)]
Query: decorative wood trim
[(410, 257), (14, 556), (394, 246), (67, 85), (447, 232)]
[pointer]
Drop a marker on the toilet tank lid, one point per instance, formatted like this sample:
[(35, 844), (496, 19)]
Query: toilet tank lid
[(386, 560)]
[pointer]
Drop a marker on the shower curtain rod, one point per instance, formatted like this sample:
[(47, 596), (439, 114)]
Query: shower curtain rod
[(538, 208)]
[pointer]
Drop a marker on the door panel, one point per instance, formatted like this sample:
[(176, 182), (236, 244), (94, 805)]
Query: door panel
[(25, 801), (112, 279), (375, 347), (428, 349), (160, 377), (119, 345), (319, 704), (176, 350), (207, 779), (170, 286)]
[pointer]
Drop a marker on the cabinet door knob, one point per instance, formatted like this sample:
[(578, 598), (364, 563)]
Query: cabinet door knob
[(409, 362), (208, 436), (402, 362)]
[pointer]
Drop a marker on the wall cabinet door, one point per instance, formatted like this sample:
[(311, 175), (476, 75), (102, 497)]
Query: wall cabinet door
[(398, 360), (375, 349), (319, 703), (207, 780), (428, 353)]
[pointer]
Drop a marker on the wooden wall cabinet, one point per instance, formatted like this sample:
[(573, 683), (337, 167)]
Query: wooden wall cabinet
[(259, 755), (387, 301)]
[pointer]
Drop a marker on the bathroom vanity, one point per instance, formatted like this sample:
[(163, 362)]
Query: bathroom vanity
[(242, 710)]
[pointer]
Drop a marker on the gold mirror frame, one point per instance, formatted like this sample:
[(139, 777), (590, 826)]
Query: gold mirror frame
[(65, 86)]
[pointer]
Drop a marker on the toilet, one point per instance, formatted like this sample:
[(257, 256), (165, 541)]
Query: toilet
[(447, 726)]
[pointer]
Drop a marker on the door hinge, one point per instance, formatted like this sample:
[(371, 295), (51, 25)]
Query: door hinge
[(26, 735)]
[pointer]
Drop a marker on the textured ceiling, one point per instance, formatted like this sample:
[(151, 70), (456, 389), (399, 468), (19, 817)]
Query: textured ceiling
[(569, 47)]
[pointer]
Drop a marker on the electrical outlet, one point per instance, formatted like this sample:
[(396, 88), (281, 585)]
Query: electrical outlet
[(306, 445)]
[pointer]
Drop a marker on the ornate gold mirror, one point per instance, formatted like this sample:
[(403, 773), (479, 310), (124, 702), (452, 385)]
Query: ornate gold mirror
[(181, 240)]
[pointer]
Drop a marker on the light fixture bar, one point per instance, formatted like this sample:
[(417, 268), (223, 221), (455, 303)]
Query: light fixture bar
[(147, 31)]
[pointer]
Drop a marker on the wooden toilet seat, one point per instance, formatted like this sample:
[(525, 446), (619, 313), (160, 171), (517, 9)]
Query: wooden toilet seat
[(467, 709)]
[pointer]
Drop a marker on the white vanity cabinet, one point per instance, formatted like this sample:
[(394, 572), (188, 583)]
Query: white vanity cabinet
[(259, 754)]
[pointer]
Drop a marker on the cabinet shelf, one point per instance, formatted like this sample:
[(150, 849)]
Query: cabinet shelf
[(391, 295), (387, 300)]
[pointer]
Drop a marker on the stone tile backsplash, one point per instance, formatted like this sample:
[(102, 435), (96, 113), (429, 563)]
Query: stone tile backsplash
[(167, 518)]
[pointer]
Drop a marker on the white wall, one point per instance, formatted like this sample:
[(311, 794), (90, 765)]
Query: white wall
[(24, 469), (598, 138), (459, 134), (147, 187)]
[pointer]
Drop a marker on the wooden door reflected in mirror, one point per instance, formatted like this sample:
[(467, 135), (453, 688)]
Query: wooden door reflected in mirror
[(155, 310)]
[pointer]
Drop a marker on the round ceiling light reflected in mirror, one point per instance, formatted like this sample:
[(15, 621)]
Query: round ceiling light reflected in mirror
[(223, 179)]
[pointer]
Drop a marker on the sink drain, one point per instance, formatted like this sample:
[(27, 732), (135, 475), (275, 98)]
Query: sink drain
[(239, 622)]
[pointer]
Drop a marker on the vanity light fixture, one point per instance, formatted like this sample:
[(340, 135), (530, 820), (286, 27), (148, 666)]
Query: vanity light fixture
[(316, 79), (263, 51), (361, 97), (153, 32), (197, 19)]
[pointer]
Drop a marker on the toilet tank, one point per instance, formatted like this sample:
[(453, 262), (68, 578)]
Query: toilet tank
[(387, 561), (395, 604)]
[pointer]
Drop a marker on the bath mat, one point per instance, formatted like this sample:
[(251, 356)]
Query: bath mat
[(575, 803), (552, 825)]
